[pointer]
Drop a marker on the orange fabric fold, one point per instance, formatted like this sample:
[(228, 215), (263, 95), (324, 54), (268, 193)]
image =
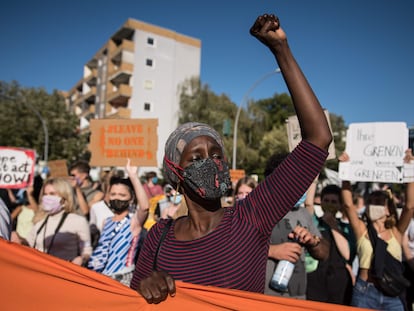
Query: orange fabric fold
[(31, 280)]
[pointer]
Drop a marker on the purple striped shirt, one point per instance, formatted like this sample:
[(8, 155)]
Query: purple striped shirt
[(234, 254)]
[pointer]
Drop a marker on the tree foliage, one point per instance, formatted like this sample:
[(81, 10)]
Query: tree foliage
[(21, 122), (261, 128), (199, 104)]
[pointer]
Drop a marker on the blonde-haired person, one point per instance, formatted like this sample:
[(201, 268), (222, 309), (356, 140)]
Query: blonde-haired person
[(57, 230), (381, 212)]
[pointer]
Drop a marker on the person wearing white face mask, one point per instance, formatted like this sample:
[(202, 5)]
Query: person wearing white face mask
[(381, 215), (58, 231)]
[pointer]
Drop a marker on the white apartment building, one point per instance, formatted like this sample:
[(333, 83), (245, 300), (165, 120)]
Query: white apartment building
[(137, 74)]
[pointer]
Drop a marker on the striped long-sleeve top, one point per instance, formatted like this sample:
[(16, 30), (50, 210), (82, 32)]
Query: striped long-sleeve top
[(116, 249), (234, 254)]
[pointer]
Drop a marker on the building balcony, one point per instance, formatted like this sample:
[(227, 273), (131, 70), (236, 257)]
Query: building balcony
[(92, 77), (93, 63), (88, 111), (120, 113), (121, 96), (88, 97), (121, 74), (116, 53)]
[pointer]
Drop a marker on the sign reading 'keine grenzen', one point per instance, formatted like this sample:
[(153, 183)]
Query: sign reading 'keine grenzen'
[(113, 141), (376, 151)]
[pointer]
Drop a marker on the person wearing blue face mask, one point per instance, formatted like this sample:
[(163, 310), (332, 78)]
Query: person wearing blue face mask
[(283, 248), (151, 186), (172, 205)]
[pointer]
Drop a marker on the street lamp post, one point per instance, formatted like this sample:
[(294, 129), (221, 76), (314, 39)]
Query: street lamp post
[(244, 100), (45, 131)]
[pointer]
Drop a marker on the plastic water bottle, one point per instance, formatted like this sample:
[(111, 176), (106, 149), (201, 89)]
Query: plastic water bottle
[(281, 276)]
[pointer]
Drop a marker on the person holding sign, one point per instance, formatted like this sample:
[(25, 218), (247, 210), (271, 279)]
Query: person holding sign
[(119, 241), (228, 247), (382, 219)]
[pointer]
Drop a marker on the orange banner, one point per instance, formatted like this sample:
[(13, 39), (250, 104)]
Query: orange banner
[(31, 280)]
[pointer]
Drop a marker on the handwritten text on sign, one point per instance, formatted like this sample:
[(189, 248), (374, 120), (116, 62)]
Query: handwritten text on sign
[(16, 167), (113, 141), (376, 152), (295, 136)]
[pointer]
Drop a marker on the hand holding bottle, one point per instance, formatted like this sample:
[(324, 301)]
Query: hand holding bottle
[(304, 237)]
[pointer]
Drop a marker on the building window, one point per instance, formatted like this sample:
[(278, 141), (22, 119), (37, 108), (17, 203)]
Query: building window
[(149, 62), (148, 84), (150, 41), (147, 106)]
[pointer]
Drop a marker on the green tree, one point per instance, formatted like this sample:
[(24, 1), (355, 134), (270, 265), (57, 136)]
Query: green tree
[(339, 132), (199, 104), (261, 127), (20, 126), (262, 121)]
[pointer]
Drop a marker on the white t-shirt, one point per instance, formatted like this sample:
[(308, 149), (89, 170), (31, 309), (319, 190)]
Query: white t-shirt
[(99, 213)]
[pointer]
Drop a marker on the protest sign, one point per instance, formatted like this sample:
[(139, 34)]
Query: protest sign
[(376, 152), (113, 141), (295, 136), (16, 167), (235, 175), (58, 168), (408, 172)]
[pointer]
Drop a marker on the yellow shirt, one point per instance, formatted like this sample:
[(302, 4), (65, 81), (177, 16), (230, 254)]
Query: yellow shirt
[(364, 250), (24, 221)]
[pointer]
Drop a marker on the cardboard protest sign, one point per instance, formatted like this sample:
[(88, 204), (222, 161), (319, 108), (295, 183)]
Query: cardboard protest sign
[(16, 167), (376, 152), (235, 175), (295, 136), (113, 141), (58, 168)]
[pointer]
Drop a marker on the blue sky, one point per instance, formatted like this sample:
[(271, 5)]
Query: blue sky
[(357, 54)]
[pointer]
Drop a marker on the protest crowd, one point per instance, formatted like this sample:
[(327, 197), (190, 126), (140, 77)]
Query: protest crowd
[(194, 223)]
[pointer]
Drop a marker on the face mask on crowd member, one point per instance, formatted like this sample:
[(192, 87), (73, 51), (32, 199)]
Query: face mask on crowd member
[(119, 206), (52, 204), (120, 195), (376, 212), (210, 186), (208, 177)]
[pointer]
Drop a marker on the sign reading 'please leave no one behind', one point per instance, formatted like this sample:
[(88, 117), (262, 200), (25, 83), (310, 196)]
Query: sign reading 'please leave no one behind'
[(113, 141)]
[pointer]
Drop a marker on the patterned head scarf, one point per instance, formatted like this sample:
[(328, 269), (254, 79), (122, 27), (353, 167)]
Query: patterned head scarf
[(180, 138)]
